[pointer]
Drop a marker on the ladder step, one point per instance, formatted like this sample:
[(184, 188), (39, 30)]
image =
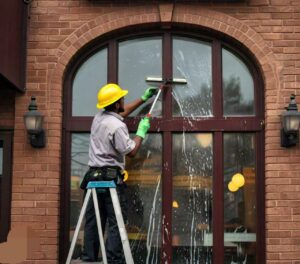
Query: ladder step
[(101, 184), (92, 189)]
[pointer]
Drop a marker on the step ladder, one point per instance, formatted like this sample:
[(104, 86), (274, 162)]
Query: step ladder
[(91, 189)]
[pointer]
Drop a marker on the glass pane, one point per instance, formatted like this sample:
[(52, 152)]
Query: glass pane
[(238, 86), (139, 59), (239, 198), (144, 200), (192, 61), (143, 196), (79, 161), (192, 198), (90, 77)]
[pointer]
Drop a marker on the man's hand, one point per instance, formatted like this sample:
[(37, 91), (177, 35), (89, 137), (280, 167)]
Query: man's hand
[(149, 93), (143, 127)]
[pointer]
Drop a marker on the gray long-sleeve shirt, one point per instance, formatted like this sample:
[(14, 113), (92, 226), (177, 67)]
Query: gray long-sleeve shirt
[(109, 140)]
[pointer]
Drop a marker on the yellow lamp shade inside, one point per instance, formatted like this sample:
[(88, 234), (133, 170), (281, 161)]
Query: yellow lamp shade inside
[(232, 187), (175, 204), (204, 139), (238, 179)]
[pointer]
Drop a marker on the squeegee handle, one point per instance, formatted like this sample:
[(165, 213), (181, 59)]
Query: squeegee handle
[(154, 102)]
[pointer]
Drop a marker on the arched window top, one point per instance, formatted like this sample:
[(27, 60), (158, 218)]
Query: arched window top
[(192, 60), (238, 86), (137, 58), (90, 76)]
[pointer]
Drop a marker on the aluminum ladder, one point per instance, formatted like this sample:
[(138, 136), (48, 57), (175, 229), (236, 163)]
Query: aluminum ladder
[(91, 189)]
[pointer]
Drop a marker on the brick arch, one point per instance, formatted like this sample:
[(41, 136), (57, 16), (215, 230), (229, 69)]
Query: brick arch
[(184, 14)]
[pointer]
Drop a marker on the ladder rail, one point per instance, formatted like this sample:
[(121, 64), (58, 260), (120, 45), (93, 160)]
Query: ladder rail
[(77, 229), (91, 190), (121, 225), (100, 232)]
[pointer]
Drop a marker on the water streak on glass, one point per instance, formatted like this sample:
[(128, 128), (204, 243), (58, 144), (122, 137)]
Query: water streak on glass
[(192, 198), (192, 61), (151, 240), (239, 198), (144, 201), (238, 86), (90, 77), (138, 59)]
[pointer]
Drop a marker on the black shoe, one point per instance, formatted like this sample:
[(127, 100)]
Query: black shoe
[(85, 258)]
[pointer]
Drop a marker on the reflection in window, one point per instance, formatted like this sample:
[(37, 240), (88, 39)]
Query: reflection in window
[(90, 77), (192, 61), (79, 161), (192, 198), (144, 196), (238, 86), (239, 198), (138, 59)]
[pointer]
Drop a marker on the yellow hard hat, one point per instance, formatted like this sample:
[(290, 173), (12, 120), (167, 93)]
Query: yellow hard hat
[(109, 94)]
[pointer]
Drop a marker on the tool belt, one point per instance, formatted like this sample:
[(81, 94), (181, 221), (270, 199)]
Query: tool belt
[(102, 174)]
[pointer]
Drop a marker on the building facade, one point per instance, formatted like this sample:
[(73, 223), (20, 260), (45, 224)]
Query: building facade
[(212, 183)]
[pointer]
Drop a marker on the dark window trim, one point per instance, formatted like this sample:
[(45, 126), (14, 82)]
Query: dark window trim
[(6, 185), (217, 125), (15, 47)]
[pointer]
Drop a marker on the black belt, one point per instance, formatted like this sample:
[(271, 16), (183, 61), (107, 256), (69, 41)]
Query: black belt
[(102, 174), (106, 167), (108, 172)]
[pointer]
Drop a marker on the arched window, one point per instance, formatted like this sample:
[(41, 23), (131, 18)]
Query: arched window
[(195, 190)]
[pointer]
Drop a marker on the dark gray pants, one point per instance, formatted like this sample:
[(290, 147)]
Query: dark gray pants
[(113, 245)]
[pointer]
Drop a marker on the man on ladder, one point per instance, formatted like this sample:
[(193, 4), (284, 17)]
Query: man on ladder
[(109, 144)]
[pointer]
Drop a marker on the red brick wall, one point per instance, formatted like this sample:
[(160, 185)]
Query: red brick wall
[(58, 29)]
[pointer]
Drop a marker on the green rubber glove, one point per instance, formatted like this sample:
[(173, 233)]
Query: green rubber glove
[(149, 93), (143, 127)]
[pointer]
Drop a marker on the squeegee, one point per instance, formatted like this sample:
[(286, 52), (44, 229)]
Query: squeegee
[(163, 82)]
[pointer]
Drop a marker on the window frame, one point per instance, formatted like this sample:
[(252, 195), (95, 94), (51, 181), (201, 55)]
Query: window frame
[(217, 124), (6, 185)]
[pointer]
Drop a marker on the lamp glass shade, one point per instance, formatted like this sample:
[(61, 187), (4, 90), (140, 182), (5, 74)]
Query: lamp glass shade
[(291, 121), (204, 139), (33, 122)]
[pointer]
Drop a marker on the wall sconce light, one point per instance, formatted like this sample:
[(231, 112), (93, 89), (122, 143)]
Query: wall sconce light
[(34, 125), (290, 124)]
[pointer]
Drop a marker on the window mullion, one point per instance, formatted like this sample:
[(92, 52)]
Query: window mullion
[(167, 73), (167, 185), (218, 200), (112, 62), (217, 79)]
